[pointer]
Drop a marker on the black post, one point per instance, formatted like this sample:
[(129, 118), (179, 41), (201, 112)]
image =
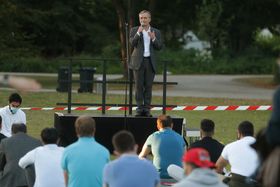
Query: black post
[(130, 90), (69, 87), (129, 71), (164, 88), (104, 87)]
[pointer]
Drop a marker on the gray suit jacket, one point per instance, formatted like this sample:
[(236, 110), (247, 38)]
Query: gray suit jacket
[(11, 150), (137, 45)]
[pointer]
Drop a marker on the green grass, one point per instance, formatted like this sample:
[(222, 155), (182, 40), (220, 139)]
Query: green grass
[(226, 121)]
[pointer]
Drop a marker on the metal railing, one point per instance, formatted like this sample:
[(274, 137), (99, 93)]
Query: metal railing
[(104, 83)]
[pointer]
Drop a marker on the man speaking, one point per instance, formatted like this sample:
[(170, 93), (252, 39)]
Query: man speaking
[(144, 40)]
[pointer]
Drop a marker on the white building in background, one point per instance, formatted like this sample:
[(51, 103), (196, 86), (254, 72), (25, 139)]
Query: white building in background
[(191, 41), (266, 33)]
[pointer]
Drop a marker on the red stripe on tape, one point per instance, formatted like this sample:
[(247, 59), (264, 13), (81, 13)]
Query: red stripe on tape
[(190, 108), (210, 107), (232, 107), (59, 108), (35, 108), (253, 107), (81, 108)]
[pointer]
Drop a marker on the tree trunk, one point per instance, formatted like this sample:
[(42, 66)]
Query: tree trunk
[(121, 24)]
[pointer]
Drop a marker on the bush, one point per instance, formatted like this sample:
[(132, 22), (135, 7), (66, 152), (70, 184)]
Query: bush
[(189, 62), (250, 61), (39, 64)]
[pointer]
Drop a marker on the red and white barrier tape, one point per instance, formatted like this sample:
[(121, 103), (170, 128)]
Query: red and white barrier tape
[(178, 108)]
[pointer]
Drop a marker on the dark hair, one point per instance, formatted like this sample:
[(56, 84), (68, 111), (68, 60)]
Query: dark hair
[(246, 128), (85, 126), (49, 135), (165, 121), (207, 125), (15, 97), (0, 120), (123, 141), (262, 147), (18, 127)]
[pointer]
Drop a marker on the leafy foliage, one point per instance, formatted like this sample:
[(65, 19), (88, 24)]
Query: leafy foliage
[(41, 31)]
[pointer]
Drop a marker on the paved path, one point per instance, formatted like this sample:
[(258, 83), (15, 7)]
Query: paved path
[(213, 86), (208, 86), (217, 86)]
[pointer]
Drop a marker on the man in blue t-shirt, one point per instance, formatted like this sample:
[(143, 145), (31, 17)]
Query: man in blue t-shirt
[(83, 161), (128, 170), (166, 145)]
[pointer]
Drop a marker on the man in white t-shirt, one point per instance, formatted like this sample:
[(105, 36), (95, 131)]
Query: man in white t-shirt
[(12, 114), (240, 156), (46, 160)]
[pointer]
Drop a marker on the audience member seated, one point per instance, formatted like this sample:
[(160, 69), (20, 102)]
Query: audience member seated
[(11, 150), (242, 158), (271, 166), (2, 136), (166, 145), (198, 170), (83, 161), (46, 160), (207, 142), (12, 114), (128, 169), (263, 149), (273, 129)]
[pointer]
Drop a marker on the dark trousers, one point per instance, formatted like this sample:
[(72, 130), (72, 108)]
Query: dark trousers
[(144, 78), (242, 181)]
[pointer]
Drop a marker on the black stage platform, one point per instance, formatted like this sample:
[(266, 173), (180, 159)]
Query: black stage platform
[(107, 126)]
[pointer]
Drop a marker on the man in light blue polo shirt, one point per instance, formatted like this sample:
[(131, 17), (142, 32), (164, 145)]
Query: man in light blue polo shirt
[(166, 145), (128, 170), (83, 161)]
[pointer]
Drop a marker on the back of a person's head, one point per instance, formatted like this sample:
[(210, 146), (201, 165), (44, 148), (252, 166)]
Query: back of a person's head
[(49, 136), (165, 121), (85, 126), (15, 97), (262, 147), (123, 141), (18, 127), (207, 126), (246, 128), (271, 169)]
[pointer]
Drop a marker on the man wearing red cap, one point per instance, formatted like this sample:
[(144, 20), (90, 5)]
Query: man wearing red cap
[(197, 168)]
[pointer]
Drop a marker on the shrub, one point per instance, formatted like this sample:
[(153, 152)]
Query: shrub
[(251, 61)]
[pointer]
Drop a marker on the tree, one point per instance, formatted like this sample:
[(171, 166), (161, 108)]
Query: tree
[(60, 27), (208, 20), (270, 44)]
